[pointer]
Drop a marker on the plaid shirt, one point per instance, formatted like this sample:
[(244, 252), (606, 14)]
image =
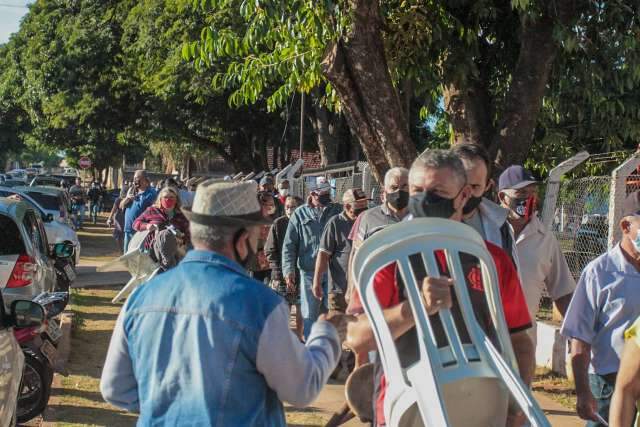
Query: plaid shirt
[(154, 215)]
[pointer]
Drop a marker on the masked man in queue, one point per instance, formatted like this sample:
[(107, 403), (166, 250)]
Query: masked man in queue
[(438, 188), (301, 246)]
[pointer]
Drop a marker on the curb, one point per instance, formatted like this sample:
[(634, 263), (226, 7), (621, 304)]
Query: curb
[(64, 351)]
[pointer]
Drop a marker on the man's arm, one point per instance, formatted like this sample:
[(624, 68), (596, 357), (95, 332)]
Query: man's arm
[(360, 336), (290, 247), (562, 303), (297, 372), (525, 355), (627, 393), (322, 265), (118, 384), (580, 360)]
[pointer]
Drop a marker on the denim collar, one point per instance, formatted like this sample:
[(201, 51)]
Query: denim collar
[(196, 255)]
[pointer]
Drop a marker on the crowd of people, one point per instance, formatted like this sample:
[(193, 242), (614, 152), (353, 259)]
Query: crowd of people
[(210, 340)]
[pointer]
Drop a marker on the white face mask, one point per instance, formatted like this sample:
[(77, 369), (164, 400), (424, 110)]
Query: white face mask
[(636, 241), (284, 192)]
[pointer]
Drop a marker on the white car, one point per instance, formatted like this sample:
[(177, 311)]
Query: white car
[(55, 216), (18, 174)]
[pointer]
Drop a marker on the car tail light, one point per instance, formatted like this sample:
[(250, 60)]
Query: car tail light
[(22, 274)]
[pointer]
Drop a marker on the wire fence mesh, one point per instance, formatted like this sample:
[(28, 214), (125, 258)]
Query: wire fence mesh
[(580, 222)]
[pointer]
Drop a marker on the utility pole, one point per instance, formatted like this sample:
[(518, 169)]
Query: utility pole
[(301, 123)]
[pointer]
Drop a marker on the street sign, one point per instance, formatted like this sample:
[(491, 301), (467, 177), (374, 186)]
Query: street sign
[(84, 162)]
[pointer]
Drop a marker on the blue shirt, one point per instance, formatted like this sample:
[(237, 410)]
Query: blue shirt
[(606, 302), (140, 202), (203, 344)]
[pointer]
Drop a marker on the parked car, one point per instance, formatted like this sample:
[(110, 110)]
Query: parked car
[(26, 268), (69, 180), (71, 172), (58, 228), (48, 180), (10, 182), (22, 314), (18, 174)]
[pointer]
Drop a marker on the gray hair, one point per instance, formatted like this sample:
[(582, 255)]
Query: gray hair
[(141, 173), (392, 173), (438, 159), (213, 237)]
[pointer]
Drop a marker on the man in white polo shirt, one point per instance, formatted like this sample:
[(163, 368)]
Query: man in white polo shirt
[(606, 303), (540, 261)]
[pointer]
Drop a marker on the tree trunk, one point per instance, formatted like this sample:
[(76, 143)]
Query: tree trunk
[(357, 68), (470, 114), (327, 143)]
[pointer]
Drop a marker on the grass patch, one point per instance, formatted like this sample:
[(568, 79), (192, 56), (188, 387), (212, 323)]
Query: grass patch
[(556, 387)]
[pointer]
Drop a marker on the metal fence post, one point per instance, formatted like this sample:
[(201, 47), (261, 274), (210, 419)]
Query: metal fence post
[(618, 194), (553, 186)]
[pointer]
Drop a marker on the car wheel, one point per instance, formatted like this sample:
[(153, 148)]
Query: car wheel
[(34, 389)]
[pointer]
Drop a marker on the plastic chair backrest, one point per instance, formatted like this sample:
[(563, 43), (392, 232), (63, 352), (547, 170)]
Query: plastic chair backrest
[(440, 373)]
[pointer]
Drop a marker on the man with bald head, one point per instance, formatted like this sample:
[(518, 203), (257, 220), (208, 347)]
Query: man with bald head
[(139, 197)]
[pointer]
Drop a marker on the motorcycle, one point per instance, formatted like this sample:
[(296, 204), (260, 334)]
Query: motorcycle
[(65, 275), (39, 345)]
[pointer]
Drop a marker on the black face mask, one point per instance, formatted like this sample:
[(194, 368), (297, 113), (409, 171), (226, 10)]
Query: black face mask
[(471, 204), (324, 199), (357, 212), (428, 204), (251, 257), (398, 199)]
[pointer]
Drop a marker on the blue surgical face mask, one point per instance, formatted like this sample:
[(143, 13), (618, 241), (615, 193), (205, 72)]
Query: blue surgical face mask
[(636, 241)]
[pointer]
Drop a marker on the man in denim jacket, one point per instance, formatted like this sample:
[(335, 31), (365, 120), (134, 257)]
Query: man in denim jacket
[(301, 246), (204, 344)]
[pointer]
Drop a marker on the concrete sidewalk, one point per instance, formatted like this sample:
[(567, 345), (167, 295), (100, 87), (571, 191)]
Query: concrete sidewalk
[(332, 398)]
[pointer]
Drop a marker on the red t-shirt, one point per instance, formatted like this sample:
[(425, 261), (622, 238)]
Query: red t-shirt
[(513, 302)]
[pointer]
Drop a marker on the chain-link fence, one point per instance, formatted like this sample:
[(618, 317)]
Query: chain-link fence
[(580, 220)]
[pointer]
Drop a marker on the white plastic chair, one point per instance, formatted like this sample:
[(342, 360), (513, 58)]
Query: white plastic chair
[(137, 261), (460, 384)]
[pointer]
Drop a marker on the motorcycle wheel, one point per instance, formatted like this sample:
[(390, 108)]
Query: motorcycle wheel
[(35, 388)]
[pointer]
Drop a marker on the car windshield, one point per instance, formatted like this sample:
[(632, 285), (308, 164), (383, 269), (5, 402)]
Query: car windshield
[(46, 181), (11, 239), (47, 201)]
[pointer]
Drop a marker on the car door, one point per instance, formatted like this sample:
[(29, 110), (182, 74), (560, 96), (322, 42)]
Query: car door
[(43, 246), (11, 366), (44, 275)]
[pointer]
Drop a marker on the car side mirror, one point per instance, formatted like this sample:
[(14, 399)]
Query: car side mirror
[(47, 218), (63, 250), (26, 314)]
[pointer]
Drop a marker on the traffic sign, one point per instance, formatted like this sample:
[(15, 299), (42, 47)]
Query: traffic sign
[(84, 163)]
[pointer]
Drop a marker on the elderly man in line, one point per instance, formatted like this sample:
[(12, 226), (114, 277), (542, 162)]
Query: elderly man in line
[(439, 189), (204, 344), (605, 304), (301, 246), (541, 262), (139, 197)]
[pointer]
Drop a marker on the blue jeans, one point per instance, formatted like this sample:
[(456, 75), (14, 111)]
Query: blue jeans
[(95, 208), (310, 306), (127, 239), (602, 389), (77, 210)]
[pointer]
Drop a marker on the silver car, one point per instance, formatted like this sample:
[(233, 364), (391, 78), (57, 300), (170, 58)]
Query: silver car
[(26, 269), (21, 314)]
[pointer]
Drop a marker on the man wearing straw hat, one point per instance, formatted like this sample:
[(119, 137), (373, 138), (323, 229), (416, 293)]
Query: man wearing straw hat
[(204, 344)]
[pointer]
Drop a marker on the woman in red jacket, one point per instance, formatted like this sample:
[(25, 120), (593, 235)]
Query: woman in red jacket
[(168, 228)]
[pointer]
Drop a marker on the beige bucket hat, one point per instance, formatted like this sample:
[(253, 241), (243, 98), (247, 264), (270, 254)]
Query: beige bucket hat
[(219, 203)]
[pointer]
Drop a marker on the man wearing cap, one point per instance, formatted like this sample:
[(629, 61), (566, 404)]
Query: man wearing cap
[(335, 248), (605, 304), (301, 246), (204, 344), (541, 263), (267, 185)]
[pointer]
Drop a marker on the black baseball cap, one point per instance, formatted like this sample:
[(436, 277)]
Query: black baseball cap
[(631, 204), (514, 178)]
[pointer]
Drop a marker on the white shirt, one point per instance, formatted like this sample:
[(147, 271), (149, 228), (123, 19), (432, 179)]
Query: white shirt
[(541, 264), (605, 304)]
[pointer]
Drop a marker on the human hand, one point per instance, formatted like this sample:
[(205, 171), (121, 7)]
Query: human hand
[(339, 321), (586, 406), (109, 222), (436, 293), (317, 290), (290, 280)]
